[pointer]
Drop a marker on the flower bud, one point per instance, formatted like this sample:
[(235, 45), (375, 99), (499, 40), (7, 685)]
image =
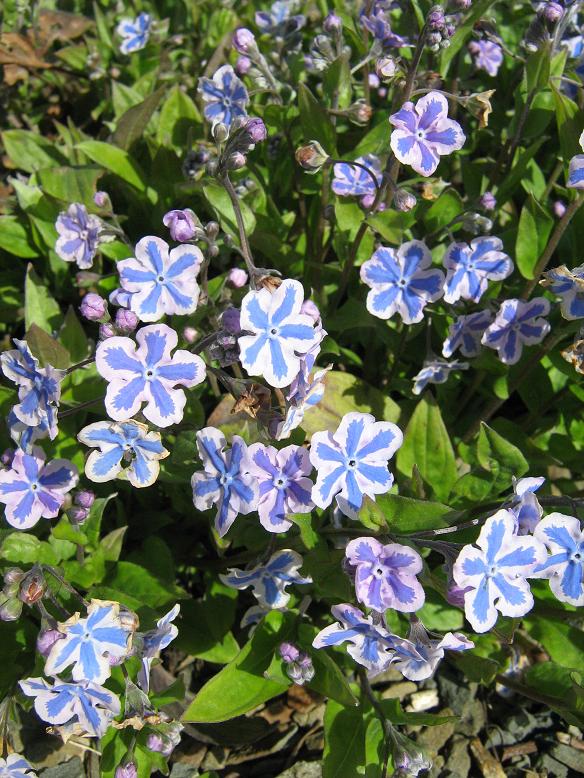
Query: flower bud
[(311, 157), (13, 575), (84, 498), (126, 321), (475, 223), (488, 201), (236, 161), (47, 639), (230, 320), (7, 457), (309, 308), (77, 514), (559, 208), (93, 307), (479, 105), (181, 223), (244, 41), (550, 11), (128, 619), (127, 770), (359, 113), (386, 68), (404, 200), (288, 652), (220, 132), (333, 24), (463, 5), (102, 200), (242, 66), (106, 331), (32, 588), (236, 278), (436, 19), (212, 230), (190, 334), (256, 130), (10, 609)]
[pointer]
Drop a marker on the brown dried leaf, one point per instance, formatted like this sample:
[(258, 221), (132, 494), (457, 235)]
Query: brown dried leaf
[(62, 26), (18, 49)]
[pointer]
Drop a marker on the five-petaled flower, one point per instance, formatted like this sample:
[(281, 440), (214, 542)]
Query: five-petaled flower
[(417, 656), (424, 133), (495, 571), (350, 179), (225, 480), (487, 55), (385, 576), (160, 281), (224, 95), (352, 462), (123, 443), (153, 642), (576, 170), (90, 706), (269, 581), (90, 643), (565, 567), (279, 22), (147, 374), (135, 33), (16, 766), (401, 281), (436, 371), (78, 235), (470, 267), (569, 285), (283, 483), (465, 333), (32, 490), (280, 334), (39, 388), (524, 504), (518, 322), (371, 644)]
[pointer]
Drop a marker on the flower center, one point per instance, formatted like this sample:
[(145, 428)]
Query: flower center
[(492, 571), (378, 572), (280, 482), (160, 279), (34, 487), (225, 479), (273, 331), (84, 234), (149, 373), (227, 102), (420, 134), (352, 462), (577, 556), (401, 282)]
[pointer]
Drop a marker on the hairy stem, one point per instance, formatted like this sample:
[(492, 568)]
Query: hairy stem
[(245, 247)]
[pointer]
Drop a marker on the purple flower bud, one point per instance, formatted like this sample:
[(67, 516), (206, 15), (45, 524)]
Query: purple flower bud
[(236, 278), (126, 321), (464, 5), (190, 334), (230, 321), (101, 199), (47, 639), (236, 160), (374, 80), (436, 19), (181, 223), (433, 39), (160, 744), (7, 457), (488, 201), (551, 11), (309, 308), (455, 595), (404, 200), (77, 514), (13, 575), (84, 498), (332, 24), (244, 41), (367, 201), (256, 130), (243, 65), (106, 331), (127, 770), (288, 652), (559, 208), (93, 307)]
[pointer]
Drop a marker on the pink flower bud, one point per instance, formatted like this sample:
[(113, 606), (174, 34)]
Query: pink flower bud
[(106, 331), (47, 639), (243, 65), (309, 308), (93, 307), (190, 334), (101, 199), (230, 320), (128, 770), (181, 223), (244, 41), (84, 498), (126, 321), (236, 278), (77, 514)]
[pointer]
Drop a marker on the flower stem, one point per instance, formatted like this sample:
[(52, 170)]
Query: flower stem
[(245, 247), (385, 722)]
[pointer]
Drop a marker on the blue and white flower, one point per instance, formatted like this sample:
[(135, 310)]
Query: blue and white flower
[(569, 286), (279, 21), (470, 267), (401, 281), (90, 706), (90, 644), (518, 323), (495, 571), (352, 462), (78, 235), (147, 374), (226, 480), (280, 334), (135, 33), (153, 642), (123, 443), (283, 482), (424, 133), (487, 55), (436, 371), (565, 567), (224, 95), (39, 388), (352, 180), (379, 25), (371, 644), (160, 281), (465, 333), (23, 435), (32, 490), (576, 170), (269, 581), (418, 656), (16, 766), (524, 505), (385, 576)]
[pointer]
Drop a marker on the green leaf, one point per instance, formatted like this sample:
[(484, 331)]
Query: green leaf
[(563, 642), (337, 81), (132, 124), (535, 225), (111, 544), (116, 160), (549, 678), (46, 349), (219, 200), (70, 184), (142, 585), (316, 123), (92, 524), (444, 210), (23, 549), (404, 514), (72, 336), (344, 741), (241, 686), (174, 693), (394, 712), (328, 678), (427, 445), (477, 668), (569, 121), (15, 238), (177, 116), (206, 624), (87, 573), (391, 225), (30, 152), (64, 530), (40, 308), (500, 457), (537, 69), (518, 171)]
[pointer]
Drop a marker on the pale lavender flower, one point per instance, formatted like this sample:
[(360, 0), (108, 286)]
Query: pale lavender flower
[(78, 235), (418, 656), (569, 286), (564, 539), (470, 267), (465, 333), (224, 95), (269, 581), (436, 371), (134, 32), (517, 323), (182, 224), (487, 55), (576, 170), (16, 766), (524, 504), (352, 180), (153, 642)]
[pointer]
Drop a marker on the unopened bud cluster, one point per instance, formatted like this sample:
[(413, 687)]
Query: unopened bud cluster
[(299, 666), (439, 29)]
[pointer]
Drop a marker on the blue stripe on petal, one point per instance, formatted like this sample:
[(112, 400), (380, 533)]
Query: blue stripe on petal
[(279, 366), (125, 398), (162, 399)]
